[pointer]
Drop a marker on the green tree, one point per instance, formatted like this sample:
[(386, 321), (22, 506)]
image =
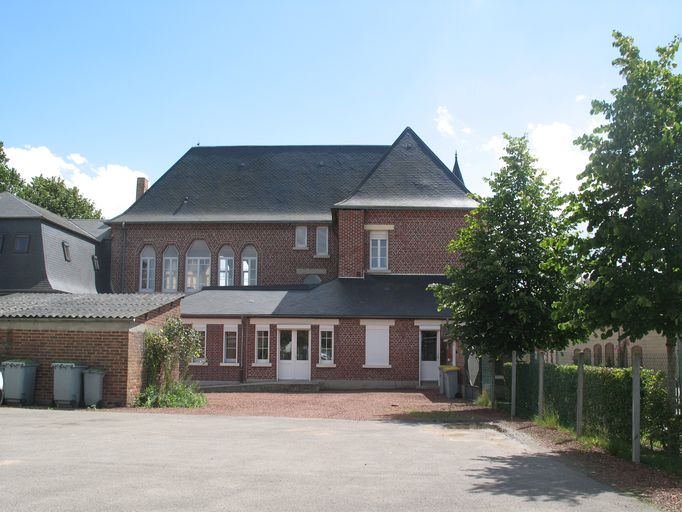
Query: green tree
[(511, 259), (630, 201), (10, 180), (53, 194)]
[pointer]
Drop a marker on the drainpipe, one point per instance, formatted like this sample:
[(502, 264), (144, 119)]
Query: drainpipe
[(242, 373), (124, 241)]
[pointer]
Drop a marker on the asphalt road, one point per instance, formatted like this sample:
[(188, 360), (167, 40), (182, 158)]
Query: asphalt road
[(98, 460)]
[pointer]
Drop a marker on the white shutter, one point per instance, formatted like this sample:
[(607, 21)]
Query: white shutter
[(376, 345)]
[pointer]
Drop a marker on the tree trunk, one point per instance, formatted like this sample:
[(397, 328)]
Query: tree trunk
[(673, 447)]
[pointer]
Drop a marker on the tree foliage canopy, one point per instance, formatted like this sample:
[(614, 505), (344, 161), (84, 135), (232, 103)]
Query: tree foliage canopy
[(10, 180), (630, 200), (511, 259)]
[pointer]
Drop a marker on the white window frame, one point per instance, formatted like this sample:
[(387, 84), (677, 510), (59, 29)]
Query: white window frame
[(378, 236), (262, 329), (372, 330), (198, 260), (148, 285), (301, 244), (200, 361), (170, 269), (252, 263), (231, 329), (324, 362), (228, 272), (322, 234)]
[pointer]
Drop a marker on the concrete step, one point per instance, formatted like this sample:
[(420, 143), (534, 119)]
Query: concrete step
[(259, 387)]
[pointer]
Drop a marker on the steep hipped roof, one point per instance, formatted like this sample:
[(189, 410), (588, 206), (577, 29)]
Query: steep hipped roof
[(97, 228), (409, 176), (255, 184), (389, 296), (93, 306), (13, 207)]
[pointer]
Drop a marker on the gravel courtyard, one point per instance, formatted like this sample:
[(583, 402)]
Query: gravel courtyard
[(100, 460)]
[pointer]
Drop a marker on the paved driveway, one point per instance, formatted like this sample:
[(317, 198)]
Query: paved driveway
[(82, 460)]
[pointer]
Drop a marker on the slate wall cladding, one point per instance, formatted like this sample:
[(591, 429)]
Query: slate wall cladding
[(277, 259), (119, 351)]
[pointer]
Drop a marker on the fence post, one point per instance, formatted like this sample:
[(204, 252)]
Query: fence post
[(541, 384), (636, 445), (513, 384), (581, 386)]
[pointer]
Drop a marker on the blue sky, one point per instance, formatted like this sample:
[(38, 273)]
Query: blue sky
[(100, 92)]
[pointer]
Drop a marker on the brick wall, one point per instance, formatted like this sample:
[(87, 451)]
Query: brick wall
[(117, 349), (277, 259), (351, 230)]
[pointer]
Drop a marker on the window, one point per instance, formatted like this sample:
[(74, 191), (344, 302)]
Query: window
[(326, 345), (95, 263), (2, 242), (22, 243), (147, 269), (226, 266), (249, 266), (597, 355), (230, 346), (376, 345), (262, 345), (200, 358), (170, 269), (301, 237), (198, 267), (322, 241), (429, 346), (378, 256), (609, 359), (67, 251)]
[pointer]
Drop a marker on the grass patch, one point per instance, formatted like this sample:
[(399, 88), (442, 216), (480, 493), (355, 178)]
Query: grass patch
[(483, 399), (550, 419), (177, 394)]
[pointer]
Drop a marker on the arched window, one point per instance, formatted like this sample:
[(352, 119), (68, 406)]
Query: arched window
[(147, 269), (249, 266), (575, 355), (637, 350), (197, 267), (587, 358), (170, 269), (608, 355), (597, 354), (226, 266)]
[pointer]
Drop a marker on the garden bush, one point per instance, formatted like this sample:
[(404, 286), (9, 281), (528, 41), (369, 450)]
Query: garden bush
[(175, 394)]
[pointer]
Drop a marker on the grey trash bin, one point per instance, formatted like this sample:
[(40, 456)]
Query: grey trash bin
[(451, 378), (68, 382), (441, 380), (93, 381), (19, 381)]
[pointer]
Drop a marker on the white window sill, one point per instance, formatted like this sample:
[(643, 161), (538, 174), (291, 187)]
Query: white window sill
[(377, 366), (229, 364), (199, 363), (169, 291), (300, 248), (261, 365), (322, 256), (378, 271), (325, 365)]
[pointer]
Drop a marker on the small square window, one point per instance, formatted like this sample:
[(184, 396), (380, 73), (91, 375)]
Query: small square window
[(301, 237), (95, 262), (67, 251), (22, 243)]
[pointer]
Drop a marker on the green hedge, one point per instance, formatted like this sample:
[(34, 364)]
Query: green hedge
[(607, 400)]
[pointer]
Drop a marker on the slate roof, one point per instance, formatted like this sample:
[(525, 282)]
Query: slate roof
[(84, 306), (255, 184), (13, 207), (385, 296), (409, 176), (95, 227)]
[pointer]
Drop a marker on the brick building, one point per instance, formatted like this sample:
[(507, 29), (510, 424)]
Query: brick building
[(301, 262)]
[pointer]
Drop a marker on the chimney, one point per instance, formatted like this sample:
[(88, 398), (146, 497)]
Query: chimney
[(142, 186)]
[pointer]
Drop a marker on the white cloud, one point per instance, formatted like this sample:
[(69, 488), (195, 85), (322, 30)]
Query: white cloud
[(444, 122), (466, 130), (552, 144), (496, 145), (110, 186), (579, 98)]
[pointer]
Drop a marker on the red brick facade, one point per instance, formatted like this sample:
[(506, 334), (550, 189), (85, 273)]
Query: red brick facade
[(115, 346)]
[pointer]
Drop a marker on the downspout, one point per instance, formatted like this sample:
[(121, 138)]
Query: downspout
[(124, 242), (242, 373)]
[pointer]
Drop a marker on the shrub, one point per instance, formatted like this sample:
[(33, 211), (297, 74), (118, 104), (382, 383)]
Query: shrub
[(175, 394)]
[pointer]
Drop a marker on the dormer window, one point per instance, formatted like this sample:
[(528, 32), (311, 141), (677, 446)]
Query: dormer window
[(21, 243), (301, 237), (67, 251), (378, 253)]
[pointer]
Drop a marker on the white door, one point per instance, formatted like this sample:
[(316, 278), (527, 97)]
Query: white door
[(429, 350), (294, 355)]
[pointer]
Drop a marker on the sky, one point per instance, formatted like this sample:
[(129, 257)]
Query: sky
[(100, 93)]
